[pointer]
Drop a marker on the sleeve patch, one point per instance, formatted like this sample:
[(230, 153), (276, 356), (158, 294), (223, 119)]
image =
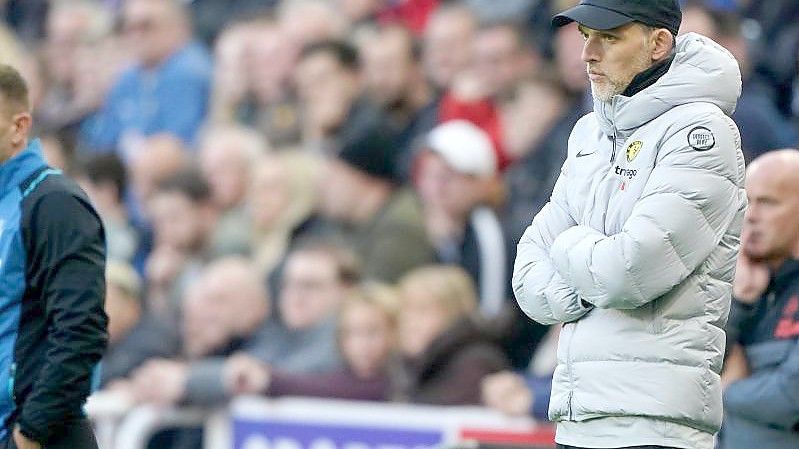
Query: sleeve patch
[(701, 139)]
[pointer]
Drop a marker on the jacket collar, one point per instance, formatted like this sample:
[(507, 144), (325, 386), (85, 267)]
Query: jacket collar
[(15, 170), (648, 77)]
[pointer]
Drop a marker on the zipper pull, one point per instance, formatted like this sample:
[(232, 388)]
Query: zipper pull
[(12, 374), (613, 154), (571, 414)]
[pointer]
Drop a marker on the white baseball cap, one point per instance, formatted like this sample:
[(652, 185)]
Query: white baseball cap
[(465, 147)]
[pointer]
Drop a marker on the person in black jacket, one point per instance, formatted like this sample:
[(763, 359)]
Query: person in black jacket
[(52, 263)]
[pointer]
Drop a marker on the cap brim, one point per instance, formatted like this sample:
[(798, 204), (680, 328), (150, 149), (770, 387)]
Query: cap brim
[(591, 16)]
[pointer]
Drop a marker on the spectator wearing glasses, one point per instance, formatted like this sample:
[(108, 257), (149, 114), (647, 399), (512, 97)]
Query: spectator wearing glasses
[(166, 91)]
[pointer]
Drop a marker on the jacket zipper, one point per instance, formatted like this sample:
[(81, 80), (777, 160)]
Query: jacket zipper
[(613, 154), (613, 114), (569, 367), (13, 372)]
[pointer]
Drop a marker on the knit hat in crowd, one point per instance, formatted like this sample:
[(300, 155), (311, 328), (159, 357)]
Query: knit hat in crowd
[(372, 152), (465, 147)]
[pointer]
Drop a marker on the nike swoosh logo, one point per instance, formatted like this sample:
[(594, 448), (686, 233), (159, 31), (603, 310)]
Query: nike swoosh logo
[(581, 154)]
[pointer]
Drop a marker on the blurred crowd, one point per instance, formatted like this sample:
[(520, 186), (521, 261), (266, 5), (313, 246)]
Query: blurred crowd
[(323, 197)]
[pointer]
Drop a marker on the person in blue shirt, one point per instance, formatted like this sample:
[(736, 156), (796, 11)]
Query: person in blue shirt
[(165, 91)]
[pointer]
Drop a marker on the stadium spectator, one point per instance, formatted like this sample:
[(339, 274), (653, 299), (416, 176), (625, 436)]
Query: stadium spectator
[(282, 202), (153, 161), (166, 91), (395, 80), (455, 181), (760, 403), (73, 27), (183, 219), (446, 354), (448, 58), (618, 254), (365, 208), (502, 58), (99, 64), (122, 302), (252, 81), (335, 110), (229, 82), (299, 338), (134, 334), (273, 107), (447, 45), (160, 157), (227, 155), (366, 338), (536, 123), (221, 311), (104, 178)]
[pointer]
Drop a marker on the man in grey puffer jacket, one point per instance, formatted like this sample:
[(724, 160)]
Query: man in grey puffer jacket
[(635, 252)]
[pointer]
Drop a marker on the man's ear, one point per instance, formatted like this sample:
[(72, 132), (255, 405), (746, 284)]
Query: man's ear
[(662, 42), (23, 122)]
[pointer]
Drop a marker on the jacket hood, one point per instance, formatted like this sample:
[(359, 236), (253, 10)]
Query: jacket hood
[(702, 72)]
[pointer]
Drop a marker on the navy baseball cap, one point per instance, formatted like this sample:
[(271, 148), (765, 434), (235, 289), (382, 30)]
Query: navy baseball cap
[(609, 14)]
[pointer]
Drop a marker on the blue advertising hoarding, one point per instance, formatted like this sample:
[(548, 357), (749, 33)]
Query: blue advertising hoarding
[(280, 434)]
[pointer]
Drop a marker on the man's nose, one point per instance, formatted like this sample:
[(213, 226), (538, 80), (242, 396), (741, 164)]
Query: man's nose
[(750, 216), (591, 50)]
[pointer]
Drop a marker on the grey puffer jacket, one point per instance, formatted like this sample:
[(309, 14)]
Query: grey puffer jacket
[(636, 249)]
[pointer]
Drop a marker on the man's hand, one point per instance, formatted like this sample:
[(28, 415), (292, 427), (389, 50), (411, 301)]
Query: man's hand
[(751, 276), (161, 382), (164, 265), (736, 367), (507, 392), (23, 442), (245, 375)]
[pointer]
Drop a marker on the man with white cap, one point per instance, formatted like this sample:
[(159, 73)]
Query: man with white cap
[(455, 181), (636, 250)]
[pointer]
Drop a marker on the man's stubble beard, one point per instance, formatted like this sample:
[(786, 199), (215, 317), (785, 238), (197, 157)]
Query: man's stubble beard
[(613, 86)]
